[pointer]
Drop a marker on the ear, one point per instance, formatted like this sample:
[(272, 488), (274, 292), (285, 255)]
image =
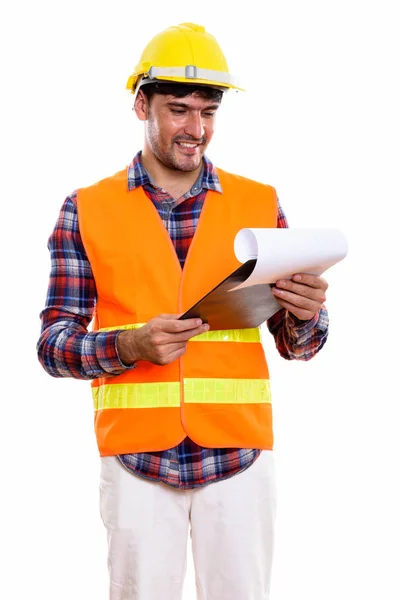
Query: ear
[(141, 106)]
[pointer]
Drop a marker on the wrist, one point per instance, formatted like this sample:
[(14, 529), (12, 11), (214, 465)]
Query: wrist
[(126, 348), (297, 323)]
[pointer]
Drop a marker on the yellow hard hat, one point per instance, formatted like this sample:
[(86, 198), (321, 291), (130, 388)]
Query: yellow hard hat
[(185, 53)]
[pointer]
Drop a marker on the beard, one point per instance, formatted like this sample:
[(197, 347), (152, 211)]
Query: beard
[(166, 151)]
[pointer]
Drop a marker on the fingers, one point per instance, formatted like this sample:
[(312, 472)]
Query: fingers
[(167, 354), (285, 287), (187, 335), (313, 281), (298, 300), (304, 313), (164, 338), (172, 336), (303, 295), (173, 325)]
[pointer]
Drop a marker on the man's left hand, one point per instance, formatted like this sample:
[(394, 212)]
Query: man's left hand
[(303, 295)]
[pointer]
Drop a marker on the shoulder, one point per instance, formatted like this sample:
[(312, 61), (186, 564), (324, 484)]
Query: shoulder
[(104, 188), (239, 181), (118, 177)]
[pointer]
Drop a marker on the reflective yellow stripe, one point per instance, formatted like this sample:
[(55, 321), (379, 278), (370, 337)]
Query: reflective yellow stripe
[(227, 391), (197, 391), (130, 326), (137, 395), (228, 335)]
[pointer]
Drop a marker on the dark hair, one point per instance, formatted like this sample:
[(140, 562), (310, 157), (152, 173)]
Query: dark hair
[(180, 90)]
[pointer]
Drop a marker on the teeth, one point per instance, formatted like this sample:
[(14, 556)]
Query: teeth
[(185, 145)]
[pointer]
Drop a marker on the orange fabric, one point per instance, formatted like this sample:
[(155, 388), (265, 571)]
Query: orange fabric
[(240, 361), (204, 424), (122, 431), (146, 372), (135, 284)]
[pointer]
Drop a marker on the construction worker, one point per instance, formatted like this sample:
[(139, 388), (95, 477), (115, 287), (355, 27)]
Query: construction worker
[(183, 417)]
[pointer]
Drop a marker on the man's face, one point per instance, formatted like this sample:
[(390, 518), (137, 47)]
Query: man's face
[(178, 130)]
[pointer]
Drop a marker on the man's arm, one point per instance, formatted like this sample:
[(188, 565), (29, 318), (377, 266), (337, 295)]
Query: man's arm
[(65, 347), (297, 339)]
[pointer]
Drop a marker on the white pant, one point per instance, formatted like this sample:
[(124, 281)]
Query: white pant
[(232, 530)]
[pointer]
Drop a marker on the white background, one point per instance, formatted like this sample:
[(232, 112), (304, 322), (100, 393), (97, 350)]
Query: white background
[(320, 122)]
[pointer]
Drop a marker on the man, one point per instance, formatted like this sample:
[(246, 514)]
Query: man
[(182, 414)]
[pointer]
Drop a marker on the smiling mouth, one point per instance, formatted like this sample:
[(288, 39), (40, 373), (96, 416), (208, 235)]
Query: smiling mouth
[(187, 145), (189, 149)]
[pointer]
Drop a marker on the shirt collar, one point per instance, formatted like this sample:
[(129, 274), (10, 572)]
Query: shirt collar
[(138, 176)]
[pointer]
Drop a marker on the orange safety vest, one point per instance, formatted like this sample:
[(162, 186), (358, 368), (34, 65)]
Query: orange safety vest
[(218, 393)]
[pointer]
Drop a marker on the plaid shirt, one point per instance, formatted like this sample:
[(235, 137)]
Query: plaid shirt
[(67, 349)]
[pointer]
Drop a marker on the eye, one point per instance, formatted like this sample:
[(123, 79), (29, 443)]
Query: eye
[(209, 115), (177, 111)]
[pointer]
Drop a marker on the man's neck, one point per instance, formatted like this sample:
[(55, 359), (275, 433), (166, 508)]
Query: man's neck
[(175, 182)]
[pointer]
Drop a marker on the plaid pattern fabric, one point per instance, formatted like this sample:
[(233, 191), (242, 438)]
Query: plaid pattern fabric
[(188, 465), (67, 349)]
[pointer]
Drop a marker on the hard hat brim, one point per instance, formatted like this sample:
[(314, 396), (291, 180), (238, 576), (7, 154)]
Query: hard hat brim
[(188, 75)]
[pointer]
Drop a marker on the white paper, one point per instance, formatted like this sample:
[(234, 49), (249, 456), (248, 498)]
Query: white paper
[(281, 253)]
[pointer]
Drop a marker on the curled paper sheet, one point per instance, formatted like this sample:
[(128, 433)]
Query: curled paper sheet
[(280, 253), (244, 298)]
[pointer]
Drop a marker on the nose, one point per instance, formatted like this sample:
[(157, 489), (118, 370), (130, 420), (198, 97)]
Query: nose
[(194, 125)]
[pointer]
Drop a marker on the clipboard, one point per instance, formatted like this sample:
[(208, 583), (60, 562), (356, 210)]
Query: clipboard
[(227, 308)]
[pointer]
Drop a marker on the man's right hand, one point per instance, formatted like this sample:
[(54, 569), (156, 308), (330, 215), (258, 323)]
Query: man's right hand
[(161, 341)]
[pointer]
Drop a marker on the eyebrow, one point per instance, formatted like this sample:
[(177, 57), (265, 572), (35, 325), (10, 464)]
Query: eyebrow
[(184, 105)]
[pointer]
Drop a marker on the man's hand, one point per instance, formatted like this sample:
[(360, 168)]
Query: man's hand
[(303, 295), (161, 341)]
